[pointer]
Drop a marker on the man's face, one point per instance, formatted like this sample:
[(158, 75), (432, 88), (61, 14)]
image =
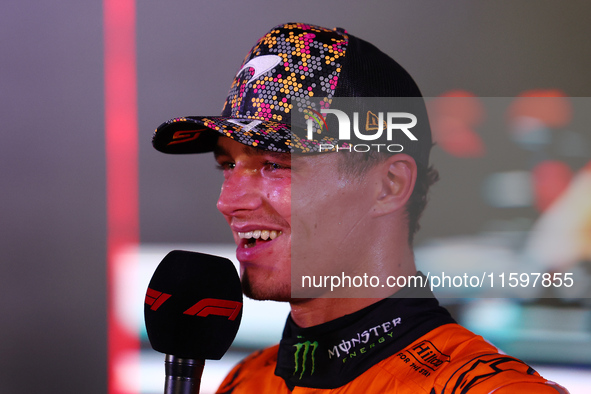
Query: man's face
[(279, 207), (255, 200)]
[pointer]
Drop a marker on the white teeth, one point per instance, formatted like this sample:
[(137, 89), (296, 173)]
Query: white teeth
[(262, 234)]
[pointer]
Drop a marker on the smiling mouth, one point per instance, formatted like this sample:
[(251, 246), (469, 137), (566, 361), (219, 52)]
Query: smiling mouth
[(251, 238)]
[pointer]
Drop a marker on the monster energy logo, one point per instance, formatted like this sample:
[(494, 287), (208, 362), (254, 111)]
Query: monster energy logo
[(301, 368)]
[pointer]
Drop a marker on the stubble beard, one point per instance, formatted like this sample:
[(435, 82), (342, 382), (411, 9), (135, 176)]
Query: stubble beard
[(267, 291)]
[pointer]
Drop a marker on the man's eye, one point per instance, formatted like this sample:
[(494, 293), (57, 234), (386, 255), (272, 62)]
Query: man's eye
[(226, 166), (275, 166)]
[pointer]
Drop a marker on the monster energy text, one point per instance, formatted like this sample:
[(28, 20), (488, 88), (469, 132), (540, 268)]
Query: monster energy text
[(381, 332)]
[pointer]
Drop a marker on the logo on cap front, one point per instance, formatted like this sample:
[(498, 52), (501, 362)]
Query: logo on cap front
[(261, 65)]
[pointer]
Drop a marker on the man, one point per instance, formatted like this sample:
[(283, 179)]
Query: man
[(311, 197)]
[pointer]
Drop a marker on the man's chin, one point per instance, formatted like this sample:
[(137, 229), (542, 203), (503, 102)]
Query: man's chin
[(265, 292)]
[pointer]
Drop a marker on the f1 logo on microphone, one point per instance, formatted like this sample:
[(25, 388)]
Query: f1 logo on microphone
[(203, 308), (212, 306), (156, 298)]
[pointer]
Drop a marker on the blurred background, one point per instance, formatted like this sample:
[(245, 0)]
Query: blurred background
[(89, 208)]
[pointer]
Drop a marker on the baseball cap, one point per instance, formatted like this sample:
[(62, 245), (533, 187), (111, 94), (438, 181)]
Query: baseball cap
[(290, 68)]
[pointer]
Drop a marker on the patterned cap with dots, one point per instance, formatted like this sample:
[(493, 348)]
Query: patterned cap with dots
[(291, 67)]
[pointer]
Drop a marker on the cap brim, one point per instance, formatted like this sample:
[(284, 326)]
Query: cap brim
[(195, 134)]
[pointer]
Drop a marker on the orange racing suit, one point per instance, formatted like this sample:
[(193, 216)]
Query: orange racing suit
[(399, 345)]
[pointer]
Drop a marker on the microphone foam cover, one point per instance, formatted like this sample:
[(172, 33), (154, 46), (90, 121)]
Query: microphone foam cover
[(193, 305)]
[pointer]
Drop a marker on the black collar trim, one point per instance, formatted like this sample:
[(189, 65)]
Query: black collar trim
[(334, 353)]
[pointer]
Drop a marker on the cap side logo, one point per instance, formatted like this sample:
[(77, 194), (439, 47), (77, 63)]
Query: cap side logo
[(261, 65)]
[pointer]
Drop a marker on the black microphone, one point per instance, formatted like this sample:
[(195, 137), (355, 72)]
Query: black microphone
[(192, 312)]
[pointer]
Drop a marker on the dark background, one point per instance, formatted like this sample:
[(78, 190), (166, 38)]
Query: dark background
[(52, 155)]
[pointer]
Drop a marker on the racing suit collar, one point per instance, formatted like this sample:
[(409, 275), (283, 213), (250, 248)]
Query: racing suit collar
[(334, 353)]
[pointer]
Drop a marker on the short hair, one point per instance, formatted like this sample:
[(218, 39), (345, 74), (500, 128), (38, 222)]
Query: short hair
[(359, 164)]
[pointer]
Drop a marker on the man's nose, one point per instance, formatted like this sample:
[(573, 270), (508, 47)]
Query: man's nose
[(240, 192)]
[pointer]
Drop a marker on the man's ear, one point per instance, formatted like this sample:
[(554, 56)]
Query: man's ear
[(396, 181)]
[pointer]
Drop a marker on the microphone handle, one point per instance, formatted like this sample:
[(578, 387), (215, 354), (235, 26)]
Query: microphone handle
[(183, 375)]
